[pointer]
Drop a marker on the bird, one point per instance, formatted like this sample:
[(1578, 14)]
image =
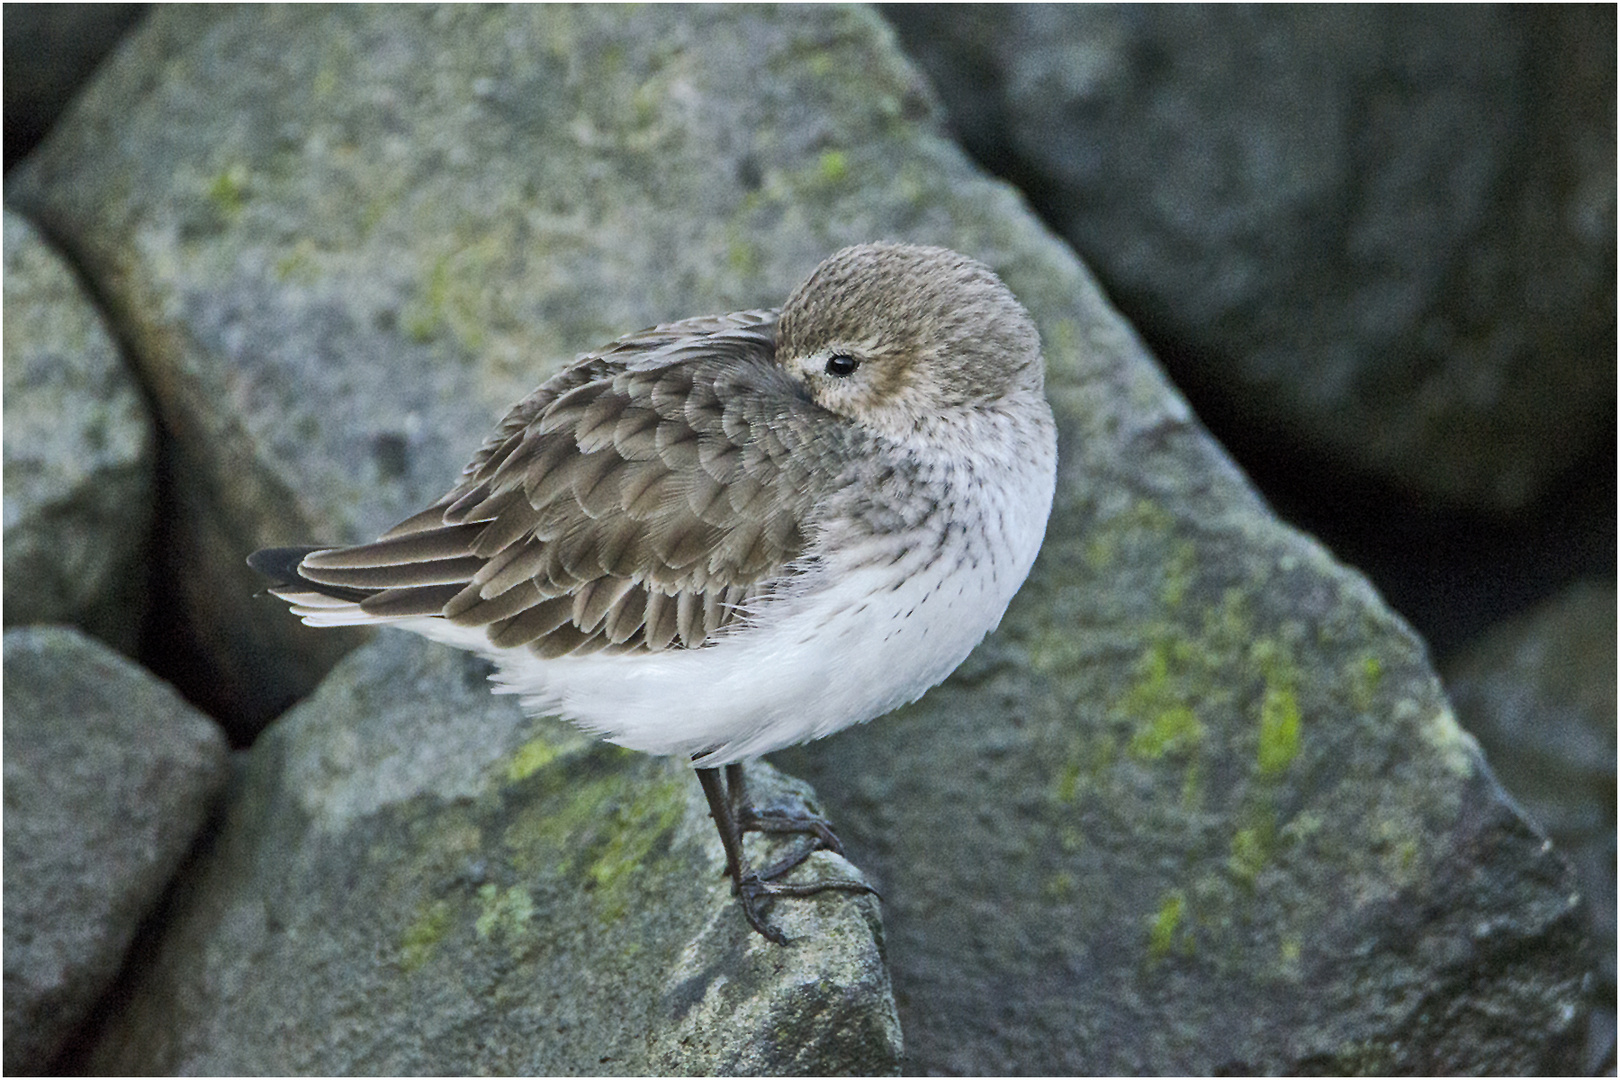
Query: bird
[(727, 535)]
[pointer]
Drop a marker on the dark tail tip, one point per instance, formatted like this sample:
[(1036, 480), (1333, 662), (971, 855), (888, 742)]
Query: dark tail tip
[(281, 564)]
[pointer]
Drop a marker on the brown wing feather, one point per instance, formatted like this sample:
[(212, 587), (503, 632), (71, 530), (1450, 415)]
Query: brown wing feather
[(632, 502)]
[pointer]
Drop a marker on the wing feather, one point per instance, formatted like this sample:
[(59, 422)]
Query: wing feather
[(639, 500)]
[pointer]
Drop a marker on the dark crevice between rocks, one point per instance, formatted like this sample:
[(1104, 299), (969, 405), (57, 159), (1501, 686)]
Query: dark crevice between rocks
[(1452, 573), (171, 646), (168, 644)]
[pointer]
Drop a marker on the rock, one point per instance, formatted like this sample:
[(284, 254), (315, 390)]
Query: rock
[(53, 49), (109, 777), (78, 454), (1199, 805), (1395, 250), (1539, 693), (477, 892)]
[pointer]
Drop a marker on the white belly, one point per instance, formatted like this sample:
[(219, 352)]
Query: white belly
[(862, 638)]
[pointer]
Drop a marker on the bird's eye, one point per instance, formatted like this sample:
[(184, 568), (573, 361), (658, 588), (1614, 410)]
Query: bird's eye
[(842, 366)]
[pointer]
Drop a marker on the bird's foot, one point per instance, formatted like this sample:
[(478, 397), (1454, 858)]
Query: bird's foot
[(756, 890), (780, 822)]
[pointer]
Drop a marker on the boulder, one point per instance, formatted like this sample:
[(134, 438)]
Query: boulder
[(1538, 691), (109, 778), (412, 879), (78, 454)]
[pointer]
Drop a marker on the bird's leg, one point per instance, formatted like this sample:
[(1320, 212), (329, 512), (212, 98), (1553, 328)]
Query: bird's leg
[(751, 819), (726, 805)]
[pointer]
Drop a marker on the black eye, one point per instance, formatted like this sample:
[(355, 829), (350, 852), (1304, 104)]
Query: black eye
[(842, 366)]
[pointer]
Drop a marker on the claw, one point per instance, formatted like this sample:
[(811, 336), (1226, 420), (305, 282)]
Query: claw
[(752, 820), (755, 889)]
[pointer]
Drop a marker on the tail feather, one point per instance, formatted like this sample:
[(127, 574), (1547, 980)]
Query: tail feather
[(334, 602), (321, 603), (281, 564)]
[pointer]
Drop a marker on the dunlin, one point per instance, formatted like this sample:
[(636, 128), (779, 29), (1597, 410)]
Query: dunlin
[(735, 533)]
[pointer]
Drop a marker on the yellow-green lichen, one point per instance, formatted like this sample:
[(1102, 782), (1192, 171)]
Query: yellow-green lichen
[(1173, 729), (455, 296), (1192, 786), (1394, 841), (1055, 650), (1280, 720), (503, 911), (1062, 337), (228, 190), (1179, 571), (1455, 748), (1068, 785), (1100, 551), (530, 758), (654, 812), (614, 827), (1164, 924), (822, 63), (424, 933), (1247, 855), (1147, 516), (1365, 678), (1164, 720), (743, 257), (1091, 756), (833, 166), (1059, 887), (325, 82), (425, 313), (1279, 730), (298, 265)]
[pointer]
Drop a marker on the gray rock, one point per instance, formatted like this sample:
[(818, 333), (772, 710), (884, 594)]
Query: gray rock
[(1539, 693), (109, 777), (52, 50), (1384, 234), (477, 892), (78, 454), (1200, 804)]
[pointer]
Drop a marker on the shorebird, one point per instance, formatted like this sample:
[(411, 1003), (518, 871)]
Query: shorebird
[(731, 534)]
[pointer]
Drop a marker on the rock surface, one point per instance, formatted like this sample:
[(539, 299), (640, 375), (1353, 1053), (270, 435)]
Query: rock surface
[(78, 454), (1200, 805), (1539, 693), (477, 892), (1395, 249), (52, 50), (109, 777)]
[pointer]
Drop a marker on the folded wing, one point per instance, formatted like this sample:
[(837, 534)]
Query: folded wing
[(640, 500)]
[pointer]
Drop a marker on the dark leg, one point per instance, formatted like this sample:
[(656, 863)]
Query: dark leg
[(726, 799), (750, 819)]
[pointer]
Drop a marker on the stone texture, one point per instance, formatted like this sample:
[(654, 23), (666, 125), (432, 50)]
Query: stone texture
[(51, 50), (109, 777), (1200, 805), (1385, 235), (1539, 693), (477, 892), (78, 454)]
